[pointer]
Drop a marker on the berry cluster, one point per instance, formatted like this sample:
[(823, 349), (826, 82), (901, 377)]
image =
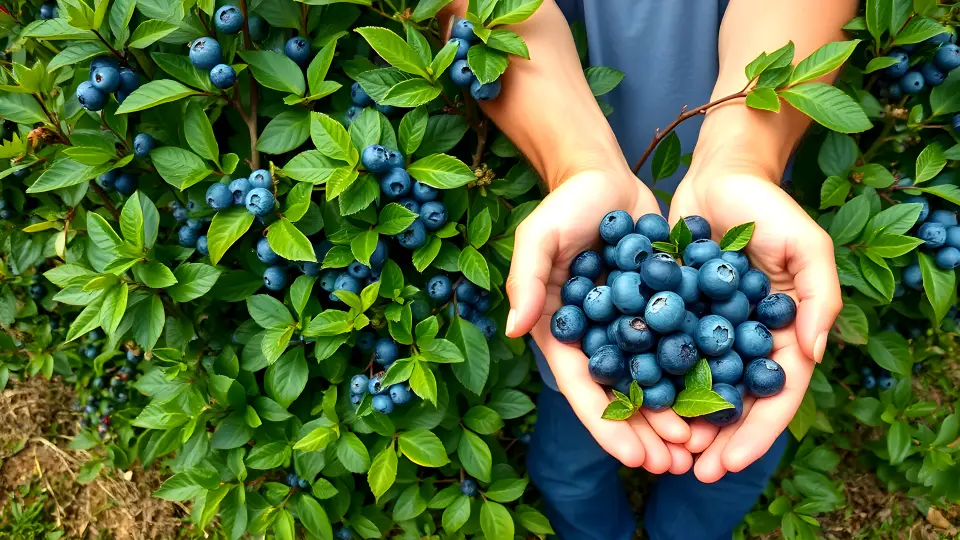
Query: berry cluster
[(6, 210), (106, 77), (206, 54), (106, 393), (384, 397), (472, 302), (940, 234), (124, 183), (653, 319), (929, 65), (460, 72), (295, 481), (361, 100)]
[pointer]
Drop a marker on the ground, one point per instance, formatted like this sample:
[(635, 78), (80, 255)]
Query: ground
[(38, 472)]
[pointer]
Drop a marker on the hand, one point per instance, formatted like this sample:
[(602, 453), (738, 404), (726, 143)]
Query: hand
[(798, 257), (562, 226)]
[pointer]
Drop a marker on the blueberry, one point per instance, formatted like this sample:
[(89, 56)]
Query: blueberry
[(575, 290), (386, 110), (615, 225), (259, 202), (660, 395), (726, 417), (132, 357), (461, 74), (715, 335), (677, 353), (464, 310), (699, 227), (90, 97), (665, 312), (261, 178), (610, 256), (644, 369), (468, 487), (885, 382), (632, 250), (187, 237), (223, 76), (735, 309), (353, 112), (587, 264), (485, 92), (382, 404), (345, 282), (700, 251), (612, 276), (395, 159), (947, 218), (228, 19), (439, 288), (219, 196), (912, 83), (102, 61), (753, 340), (868, 382), (955, 123), (486, 325), (238, 190), (180, 214), (948, 258), (205, 53), (633, 335), (385, 351), (482, 305), (292, 480), (593, 339), (689, 287), (943, 37), (690, 322), (48, 11), (265, 253), (607, 366), (628, 293), (126, 184), (375, 159), (328, 280), (755, 285), (257, 27), (414, 236), (894, 91), (468, 292), (375, 385), (598, 305), (359, 96), (718, 279), (912, 277), (764, 377), (463, 29), (726, 368), (654, 227), (738, 260), (345, 533), (105, 79), (568, 324), (423, 193), (947, 57), (203, 247), (463, 46), (275, 278), (900, 68), (434, 215), (358, 270), (395, 183), (931, 75), (302, 483), (776, 311), (298, 50), (106, 180), (661, 272), (36, 291), (953, 237), (400, 394)]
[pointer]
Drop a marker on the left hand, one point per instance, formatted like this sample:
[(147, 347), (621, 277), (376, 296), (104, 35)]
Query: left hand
[(798, 257)]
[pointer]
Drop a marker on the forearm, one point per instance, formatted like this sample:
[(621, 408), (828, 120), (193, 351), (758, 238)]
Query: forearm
[(749, 139), (546, 107)]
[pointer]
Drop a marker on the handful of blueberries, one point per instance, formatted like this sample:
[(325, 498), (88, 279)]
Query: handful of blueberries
[(652, 319)]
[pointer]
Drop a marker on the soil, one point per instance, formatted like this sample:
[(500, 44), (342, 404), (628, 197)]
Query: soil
[(36, 426)]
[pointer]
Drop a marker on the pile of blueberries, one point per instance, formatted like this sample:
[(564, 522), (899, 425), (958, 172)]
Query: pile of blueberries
[(939, 56), (104, 394), (460, 72), (385, 352), (940, 234), (652, 319), (106, 77)]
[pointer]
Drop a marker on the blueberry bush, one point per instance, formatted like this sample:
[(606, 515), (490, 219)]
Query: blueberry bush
[(267, 243)]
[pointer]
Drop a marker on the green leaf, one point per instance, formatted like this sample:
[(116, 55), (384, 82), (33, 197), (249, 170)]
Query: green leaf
[(288, 242), (427, 9), (850, 220), (618, 410), (363, 245), (889, 246), (423, 448), (475, 456), (474, 267), (834, 192), (487, 64), (880, 62), (155, 93), (483, 420), (149, 32), (507, 490), (114, 306), (898, 219), (899, 442), (441, 171), (266, 456), (828, 106), (680, 234), (286, 378), (919, 29), (286, 132), (330, 137), (875, 176), (945, 99), (851, 325), (737, 237), (319, 66), (394, 50), (877, 14), (698, 402), (226, 228), (413, 126), (179, 487), (891, 352), (425, 254), (824, 60), (666, 159), (315, 168), (700, 376), (411, 93), (331, 322), (154, 274), (199, 133), (268, 312), (275, 71), (602, 79), (532, 520), (150, 318), (763, 98), (457, 514), (318, 439), (75, 54), (180, 168), (179, 67), (947, 192), (495, 520), (64, 173), (394, 219), (929, 163), (383, 471), (877, 272), (313, 517), (509, 42), (353, 454), (422, 381), (513, 12), (939, 285)]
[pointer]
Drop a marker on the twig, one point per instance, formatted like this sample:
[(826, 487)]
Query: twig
[(106, 200), (121, 57), (481, 143), (683, 116), (53, 120), (103, 123), (251, 119)]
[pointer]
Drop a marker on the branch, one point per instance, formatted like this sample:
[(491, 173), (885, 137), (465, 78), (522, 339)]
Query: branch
[(103, 123), (684, 115), (481, 143), (53, 121), (122, 58), (106, 200), (251, 119)]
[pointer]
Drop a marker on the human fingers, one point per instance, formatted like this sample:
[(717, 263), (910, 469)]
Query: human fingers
[(709, 467), (535, 248), (658, 459), (668, 425), (702, 433), (816, 286)]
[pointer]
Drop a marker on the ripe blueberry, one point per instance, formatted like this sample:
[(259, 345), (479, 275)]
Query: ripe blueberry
[(187, 237), (752, 340), (593, 339), (924, 207), (298, 50), (726, 417), (275, 278), (143, 143), (726, 368), (947, 218), (677, 353), (607, 366), (265, 253), (644, 369), (587, 264), (665, 312), (654, 227), (715, 335), (463, 29), (598, 305), (205, 53), (414, 236), (385, 351), (735, 309), (423, 193), (203, 247), (912, 277), (328, 280), (434, 215), (468, 487), (400, 394), (634, 335), (718, 279), (700, 251), (615, 225), (485, 92), (108, 179), (628, 293), (382, 404), (439, 288), (660, 395), (48, 11), (259, 202), (467, 292), (486, 325), (461, 74), (912, 83), (105, 79), (90, 97), (228, 19), (359, 96), (738, 260), (463, 46), (219, 196), (948, 258), (568, 324), (690, 322), (900, 68), (699, 227), (575, 290), (953, 237), (661, 272), (931, 75), (261, 178), (764, 377), (238, 190), (126, 184), (345, 282), (947, 57), (632, 249), (776, 311), (755, 285), (375, 159), (689, 288), (223, 76)]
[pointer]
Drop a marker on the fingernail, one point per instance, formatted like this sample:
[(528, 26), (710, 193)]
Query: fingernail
[(511, 321), (820, 346)]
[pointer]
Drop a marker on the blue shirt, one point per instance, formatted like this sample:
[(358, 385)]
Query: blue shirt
[(668, 51)]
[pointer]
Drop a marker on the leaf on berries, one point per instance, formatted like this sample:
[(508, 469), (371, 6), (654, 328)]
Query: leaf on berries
[(737, 237), (700, 376), (636, 394), (698, 402)]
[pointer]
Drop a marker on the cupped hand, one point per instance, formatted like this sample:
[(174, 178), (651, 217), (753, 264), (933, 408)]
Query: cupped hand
[(563, 225), (797, 255)]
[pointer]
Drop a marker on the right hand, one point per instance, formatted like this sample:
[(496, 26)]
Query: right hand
[(563, 225)]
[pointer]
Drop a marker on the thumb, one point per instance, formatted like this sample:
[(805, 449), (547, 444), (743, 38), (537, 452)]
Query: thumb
[(534, 249), (818, 290)]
